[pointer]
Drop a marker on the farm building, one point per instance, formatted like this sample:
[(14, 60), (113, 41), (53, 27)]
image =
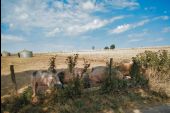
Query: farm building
[(5, 54), (25, 54)]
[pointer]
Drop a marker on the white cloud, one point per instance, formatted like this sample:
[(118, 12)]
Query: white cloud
[(137, 35), (95, 24), (166, 30), (121, 28), (53, 32), (141, 23), (125, 27), (121, 4), (135, 40), (165, 17), (56, 17), (150, 8), (88, 5), (11, 38)]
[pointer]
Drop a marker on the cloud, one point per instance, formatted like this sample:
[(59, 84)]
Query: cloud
[(88, 5), (95, 24), (121, 4), (149, 8), (125, 27), (166, 30), (137, 35), (135, 40), (11, 38), (121, 28), (165, 17), (58, 17)]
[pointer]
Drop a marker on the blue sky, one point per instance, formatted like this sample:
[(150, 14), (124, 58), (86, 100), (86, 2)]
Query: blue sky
[(65, 25)]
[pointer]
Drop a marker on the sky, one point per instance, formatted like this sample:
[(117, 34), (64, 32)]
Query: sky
[(68, 25)]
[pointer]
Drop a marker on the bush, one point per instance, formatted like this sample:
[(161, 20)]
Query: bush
[(159, 61), (112, 46), (71, 62), (71, 91), (106, 47), (52, 66), (113, 80), (15, 103), (113, 84)]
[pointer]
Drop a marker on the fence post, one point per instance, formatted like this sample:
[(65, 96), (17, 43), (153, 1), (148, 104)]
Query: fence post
[(110, 67), (13, 77)]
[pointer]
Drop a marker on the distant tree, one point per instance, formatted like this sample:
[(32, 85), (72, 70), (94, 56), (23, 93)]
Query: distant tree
[(93, 47), (112, 46), (106, 47)]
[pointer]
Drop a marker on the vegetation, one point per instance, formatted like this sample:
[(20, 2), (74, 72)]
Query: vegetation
[(152, 68), (71, 62), (71, 91), (115, 95), (52, 66), (106, 47), (112, 46), (93, 47)]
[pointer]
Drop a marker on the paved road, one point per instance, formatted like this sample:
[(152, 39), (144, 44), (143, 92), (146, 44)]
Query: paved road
[(155, 109)]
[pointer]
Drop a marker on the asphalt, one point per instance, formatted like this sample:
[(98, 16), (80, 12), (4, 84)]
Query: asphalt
[(156, 109)]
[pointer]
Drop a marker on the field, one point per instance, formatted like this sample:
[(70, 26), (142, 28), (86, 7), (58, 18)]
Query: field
[(135, 98), (24, 66)]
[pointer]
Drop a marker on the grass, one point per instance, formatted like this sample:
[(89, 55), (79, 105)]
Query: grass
[(91, 102)]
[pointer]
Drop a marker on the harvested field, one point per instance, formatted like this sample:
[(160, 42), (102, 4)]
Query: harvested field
[(25, 66)]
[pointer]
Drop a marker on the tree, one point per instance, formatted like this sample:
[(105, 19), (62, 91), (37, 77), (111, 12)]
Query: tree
[(93, 47), (106, 47), (112, 46)]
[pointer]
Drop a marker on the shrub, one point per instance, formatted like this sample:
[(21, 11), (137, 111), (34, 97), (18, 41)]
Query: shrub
[(15, 103), (106, 47), (159, 61), (112, 82), (112, 46), (71, 62), (52, 66), (71, 91)]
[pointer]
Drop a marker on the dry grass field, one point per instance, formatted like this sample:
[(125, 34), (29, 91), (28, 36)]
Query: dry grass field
[(124, 101), (24, 66)]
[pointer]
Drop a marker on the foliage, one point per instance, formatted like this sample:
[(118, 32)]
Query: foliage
[(106, 47), (71, 62), (15, 103), (158, 60), (52, 66), (71, 91), (111, 83), (93, 47), (112, 46)]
